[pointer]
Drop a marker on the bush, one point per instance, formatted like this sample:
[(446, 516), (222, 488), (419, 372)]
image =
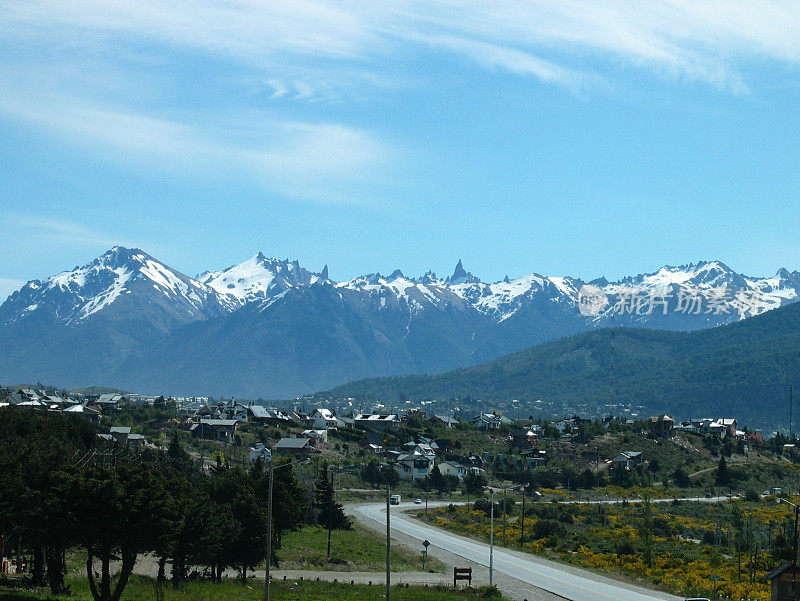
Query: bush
[(485, 506), (549, 529), (681, 478), (488, 592), (661, 527), (751, 495), (625, 548)]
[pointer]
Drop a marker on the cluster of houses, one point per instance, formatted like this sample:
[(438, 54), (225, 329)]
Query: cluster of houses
[(413, 461), (665, 426), (417, 458), (90, 407)]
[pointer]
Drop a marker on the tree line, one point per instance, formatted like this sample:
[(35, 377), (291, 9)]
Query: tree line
[(63, 488)]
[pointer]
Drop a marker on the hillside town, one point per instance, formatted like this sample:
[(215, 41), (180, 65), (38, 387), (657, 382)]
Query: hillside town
[(448, 464), (511, 446)]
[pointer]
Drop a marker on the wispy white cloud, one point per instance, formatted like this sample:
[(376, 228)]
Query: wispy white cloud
[(509, 59), (706, 41), (311, 161), (303, 90), (38, 226), (315, 51), (279, 88)]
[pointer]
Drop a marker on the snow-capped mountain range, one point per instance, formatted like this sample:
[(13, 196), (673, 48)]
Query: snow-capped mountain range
[(270, 328)]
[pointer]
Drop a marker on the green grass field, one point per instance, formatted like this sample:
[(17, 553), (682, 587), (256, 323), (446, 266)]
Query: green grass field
[(351, 550), (144, 589)]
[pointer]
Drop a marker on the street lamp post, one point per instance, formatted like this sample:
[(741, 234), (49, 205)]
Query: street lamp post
[(272, 469)]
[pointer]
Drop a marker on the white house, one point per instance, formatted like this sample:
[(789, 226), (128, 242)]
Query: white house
[(322, 419), (628, 459), (446, 421), (317, 436), (260, 450), (486, 421), (377, 421), (451, 468), (416, 464)]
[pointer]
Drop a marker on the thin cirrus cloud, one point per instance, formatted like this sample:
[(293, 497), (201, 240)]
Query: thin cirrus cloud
[(509, 59), (704, 41), (309, 161), (698, 40), (310, 51), (49, 229)]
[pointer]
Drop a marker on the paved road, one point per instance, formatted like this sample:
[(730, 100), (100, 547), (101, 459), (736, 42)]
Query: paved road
[(529, 573)]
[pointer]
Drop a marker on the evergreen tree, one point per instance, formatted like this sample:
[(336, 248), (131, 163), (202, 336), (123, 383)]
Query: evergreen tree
[(438, 481), (723, 476), (645, 530), (474, 483), (371, 473), (329, 513), (390, 475), (115, 509), (681, 478), (175, 450)]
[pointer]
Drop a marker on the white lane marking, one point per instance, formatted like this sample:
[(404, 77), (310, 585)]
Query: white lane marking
[(575, 588)]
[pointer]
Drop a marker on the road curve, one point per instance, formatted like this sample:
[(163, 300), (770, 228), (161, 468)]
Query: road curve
[(566, 582)]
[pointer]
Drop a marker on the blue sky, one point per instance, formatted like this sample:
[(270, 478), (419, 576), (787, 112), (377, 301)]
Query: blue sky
[(576, 138)]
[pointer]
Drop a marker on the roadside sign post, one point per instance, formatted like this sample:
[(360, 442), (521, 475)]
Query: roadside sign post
[(425, 544)]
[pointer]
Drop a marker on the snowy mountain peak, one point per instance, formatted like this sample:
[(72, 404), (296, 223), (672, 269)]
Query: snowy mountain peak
[(709, 273), (121, 272), (429, 278), (74, 295), (258, 279), (461, 276)]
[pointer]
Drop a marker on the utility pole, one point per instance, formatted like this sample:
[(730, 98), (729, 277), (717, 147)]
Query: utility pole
[(522, 529), (269, 533), (505, 510), (612, 355), (330, 517), (491, 541), (427, 483), (388, 543), (794, 546), (272, 469)]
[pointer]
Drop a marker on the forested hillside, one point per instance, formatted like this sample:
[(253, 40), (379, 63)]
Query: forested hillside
[(742, 368)]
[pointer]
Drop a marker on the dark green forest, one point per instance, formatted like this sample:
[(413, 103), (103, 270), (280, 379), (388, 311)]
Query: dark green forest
[(742, 368), (64, 489)]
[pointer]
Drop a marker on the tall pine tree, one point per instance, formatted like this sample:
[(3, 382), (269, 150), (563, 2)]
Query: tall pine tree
[(330, 514)]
